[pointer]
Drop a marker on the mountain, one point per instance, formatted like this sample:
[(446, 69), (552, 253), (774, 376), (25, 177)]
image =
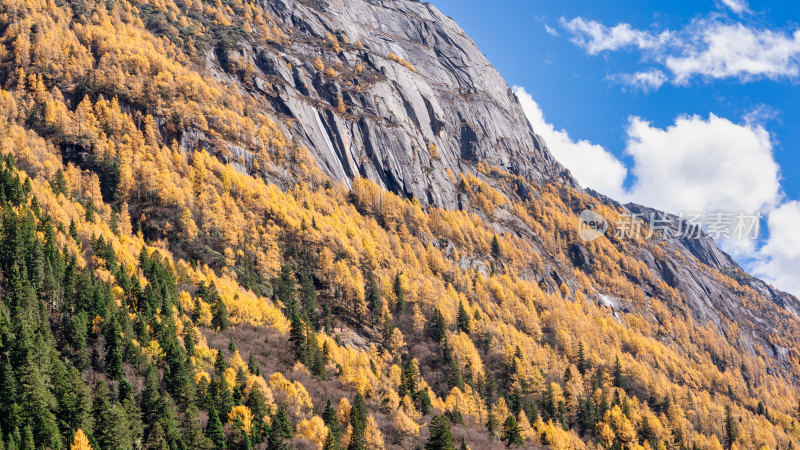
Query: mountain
[(450, 99), (328, 224)]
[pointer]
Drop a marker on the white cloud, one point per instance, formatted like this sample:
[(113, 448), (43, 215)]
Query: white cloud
[(709, 48), (737, 6), (761, 114), (702, 164), (550, 30), (644, 81), (589, 163), (736, 51), (694, 164), (596, 37), (780, 256)]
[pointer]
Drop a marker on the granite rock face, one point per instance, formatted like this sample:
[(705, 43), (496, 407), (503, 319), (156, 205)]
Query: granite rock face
[(451, 99)]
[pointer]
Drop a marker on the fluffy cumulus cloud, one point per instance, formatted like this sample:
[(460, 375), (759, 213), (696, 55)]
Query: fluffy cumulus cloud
[(709, 48), (702, 164), (589, 163), (779, 258), (695, 164)]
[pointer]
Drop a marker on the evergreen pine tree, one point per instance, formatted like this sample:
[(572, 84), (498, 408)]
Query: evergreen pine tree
[(168, 416), (253, 366), (492, 424), (219, 314), (511, 433), (193, 436), (74, 410), (374, 302), (27, 442), (617, 375), (408, 379), (151, 396), (156, 439), (113, 350), (284, 289), (400, 296), (257, 403), (495, 247), (437, 327), (298, 338), (582, 364), (454, 378), (327, 319), (276, 442), (280, 425), (332, 421), (223, 397), (112, 429), (308, 297), (214, 430), (358, 420), (35, 401), (220, 363), (330, 442), (440, 436), (190, 338), (176, 375), (462, 321), (731, 429), (646, 433)]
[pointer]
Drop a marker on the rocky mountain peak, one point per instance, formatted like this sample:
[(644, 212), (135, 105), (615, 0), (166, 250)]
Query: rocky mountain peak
[(417, 97)]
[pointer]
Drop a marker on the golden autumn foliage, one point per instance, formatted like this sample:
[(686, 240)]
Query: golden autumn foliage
[(313, 429), (373, 435), (292, 394), (181, 201), (242, 414), (318, 64), (401, 61), (80, 441)]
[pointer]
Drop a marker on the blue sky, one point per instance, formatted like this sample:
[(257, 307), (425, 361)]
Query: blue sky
[(684, 105)]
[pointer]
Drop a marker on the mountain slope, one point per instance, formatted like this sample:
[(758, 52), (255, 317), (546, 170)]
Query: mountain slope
[(452, 98), (347, 196)]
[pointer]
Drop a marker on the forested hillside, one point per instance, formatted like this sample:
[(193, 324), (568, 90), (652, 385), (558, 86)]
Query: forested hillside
[(179, 271)]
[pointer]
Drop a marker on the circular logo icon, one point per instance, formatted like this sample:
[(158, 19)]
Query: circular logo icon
[(591, 225)]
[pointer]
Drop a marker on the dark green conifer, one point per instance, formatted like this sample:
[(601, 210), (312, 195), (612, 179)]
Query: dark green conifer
[(462, 321), (511, 433), (400, 296), (441, 438), (214, 430)]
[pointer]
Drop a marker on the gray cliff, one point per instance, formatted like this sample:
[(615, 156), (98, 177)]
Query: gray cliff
[(453, 98)]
